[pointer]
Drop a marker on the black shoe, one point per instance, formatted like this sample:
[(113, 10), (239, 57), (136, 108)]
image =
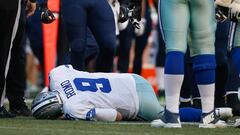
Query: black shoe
[(21, 111), (5, 114), (234, 103)]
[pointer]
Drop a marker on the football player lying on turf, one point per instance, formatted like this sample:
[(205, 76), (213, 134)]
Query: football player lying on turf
[(96, 96), (79, 95)]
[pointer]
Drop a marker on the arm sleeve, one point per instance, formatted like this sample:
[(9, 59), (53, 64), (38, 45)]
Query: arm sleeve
[(105, 114)]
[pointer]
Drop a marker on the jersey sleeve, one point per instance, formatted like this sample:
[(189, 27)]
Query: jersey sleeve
[(105, 114), (79, 112)]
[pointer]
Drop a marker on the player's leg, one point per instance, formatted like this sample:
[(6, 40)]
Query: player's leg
[(202, 30), (76, 27), (101, 23), (235, 53), (222, 69), (160, 60), (233, 83), (125, 42), (174, 18), (149, 107), (232, 90)]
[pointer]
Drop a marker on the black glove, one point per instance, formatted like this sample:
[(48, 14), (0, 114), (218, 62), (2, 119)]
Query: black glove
[(46, 15), (136, 8), (123, 15), (222, 13)]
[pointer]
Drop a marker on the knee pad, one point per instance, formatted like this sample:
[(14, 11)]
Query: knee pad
[(204, 62), (174, 63)]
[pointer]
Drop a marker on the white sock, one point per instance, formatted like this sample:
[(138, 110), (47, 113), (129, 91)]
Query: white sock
[(207, 97), (172, 85), (160, 74)]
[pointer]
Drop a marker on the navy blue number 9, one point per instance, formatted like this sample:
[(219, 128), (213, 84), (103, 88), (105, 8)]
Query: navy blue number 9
[(93, 85)]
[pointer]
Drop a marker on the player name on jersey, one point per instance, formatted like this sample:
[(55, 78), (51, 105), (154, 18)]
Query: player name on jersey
[(68, 89)]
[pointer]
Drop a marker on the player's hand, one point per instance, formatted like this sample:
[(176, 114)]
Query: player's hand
[(123, 14), (222, 13), (235, 10), (142, 26), (31, 7), (136, 9), (46, 15), (222, 9)]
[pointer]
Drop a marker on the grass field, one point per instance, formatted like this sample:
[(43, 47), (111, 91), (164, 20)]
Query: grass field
[(31, 126)]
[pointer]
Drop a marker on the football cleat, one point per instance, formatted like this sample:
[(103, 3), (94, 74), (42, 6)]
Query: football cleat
[(168, 120), (224, 113), (210, 120), (234, 103), (5, 114), (237, 123)]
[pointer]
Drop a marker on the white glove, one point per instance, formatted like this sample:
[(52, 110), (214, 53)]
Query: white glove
[(222, 9), (142, 25), (223, 3), (235, 10)]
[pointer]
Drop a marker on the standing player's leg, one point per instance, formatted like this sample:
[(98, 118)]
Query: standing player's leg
[(235, 53), (222, 69), (202, 30), (76, 26), (232, 90), (125, 42), (174, 18), (101, 23)]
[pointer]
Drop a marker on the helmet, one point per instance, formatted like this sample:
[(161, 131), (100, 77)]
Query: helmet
[(47, 105)]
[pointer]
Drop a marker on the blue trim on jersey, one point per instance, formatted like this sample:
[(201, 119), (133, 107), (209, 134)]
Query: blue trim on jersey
[(91, 114), (204, 68), (235, 56), (174, 63)]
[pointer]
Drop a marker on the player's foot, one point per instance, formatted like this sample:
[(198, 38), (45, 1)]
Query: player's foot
[(234, 103), (237, 123), (210, 120), (224, 112), (21, 111), (5, 114), (169, 120)]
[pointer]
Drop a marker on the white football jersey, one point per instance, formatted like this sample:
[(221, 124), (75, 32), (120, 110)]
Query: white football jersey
[(82, 92)]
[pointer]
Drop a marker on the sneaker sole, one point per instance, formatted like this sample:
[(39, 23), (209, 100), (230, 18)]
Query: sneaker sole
[(212, 125), (167, 125)]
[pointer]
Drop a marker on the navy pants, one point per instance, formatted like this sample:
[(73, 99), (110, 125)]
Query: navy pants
[(98, 16)]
